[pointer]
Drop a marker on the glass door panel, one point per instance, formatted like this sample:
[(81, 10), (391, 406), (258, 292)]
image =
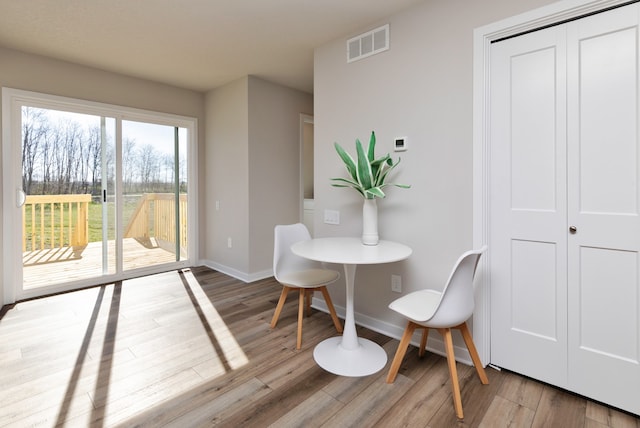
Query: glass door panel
[(108, 179), (65, 159), (154, 194)]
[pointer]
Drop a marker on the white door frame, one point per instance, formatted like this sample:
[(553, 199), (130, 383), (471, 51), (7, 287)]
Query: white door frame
[(304, 119), (482, 38)]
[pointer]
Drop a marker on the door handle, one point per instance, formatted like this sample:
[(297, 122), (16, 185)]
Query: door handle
[(21, 198), (573, 229)]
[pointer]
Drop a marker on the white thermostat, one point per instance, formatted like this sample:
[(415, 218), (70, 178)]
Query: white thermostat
[(400, 144)]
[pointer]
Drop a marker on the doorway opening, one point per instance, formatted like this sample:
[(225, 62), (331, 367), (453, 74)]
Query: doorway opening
[(306, 171), (101, 193)]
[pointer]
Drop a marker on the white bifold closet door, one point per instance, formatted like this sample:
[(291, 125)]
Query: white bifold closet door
[(565, 206)]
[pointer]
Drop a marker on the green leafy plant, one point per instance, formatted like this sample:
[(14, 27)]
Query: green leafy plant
[(368, 174)]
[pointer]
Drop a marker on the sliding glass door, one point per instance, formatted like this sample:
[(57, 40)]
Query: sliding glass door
[(66, 169), (98, 193), (154, 194)]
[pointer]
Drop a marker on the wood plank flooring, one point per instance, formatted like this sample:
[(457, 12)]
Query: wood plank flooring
[(194, 349)]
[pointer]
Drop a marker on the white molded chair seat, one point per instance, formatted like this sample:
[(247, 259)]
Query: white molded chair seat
[(309, 278), (295, 272), (418, 306), (443, 311)]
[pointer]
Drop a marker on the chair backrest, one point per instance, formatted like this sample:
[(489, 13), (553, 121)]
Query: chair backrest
[(283, 258), (457, 301)]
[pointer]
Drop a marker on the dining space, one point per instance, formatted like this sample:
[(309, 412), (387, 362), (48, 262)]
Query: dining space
[(300, 262)]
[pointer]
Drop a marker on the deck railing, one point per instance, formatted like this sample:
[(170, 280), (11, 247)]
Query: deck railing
[(59, 221), (55, 221), (155, 217)]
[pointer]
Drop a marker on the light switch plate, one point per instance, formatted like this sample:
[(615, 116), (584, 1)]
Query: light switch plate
[(396, 283), (331, 217)]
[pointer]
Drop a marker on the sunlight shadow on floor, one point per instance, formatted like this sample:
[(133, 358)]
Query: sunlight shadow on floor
[(101, 392), (77, 367), (226, 346)]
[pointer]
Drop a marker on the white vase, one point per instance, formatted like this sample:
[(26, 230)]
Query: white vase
[(370, 222)]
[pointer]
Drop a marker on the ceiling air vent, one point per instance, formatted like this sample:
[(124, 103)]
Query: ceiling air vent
[(367, 44)]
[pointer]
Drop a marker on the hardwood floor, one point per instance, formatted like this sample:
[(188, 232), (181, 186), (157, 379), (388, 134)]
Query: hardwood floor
[(194, 348)]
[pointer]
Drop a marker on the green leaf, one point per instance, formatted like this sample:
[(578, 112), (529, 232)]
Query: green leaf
[(375, 191), (377, 169), (372, 146), (365, 177), (343, 182), (402, 186), (347, 160), (387, 171)]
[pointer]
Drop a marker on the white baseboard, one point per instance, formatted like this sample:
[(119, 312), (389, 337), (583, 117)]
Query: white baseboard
[(435, 343), (242, 276)]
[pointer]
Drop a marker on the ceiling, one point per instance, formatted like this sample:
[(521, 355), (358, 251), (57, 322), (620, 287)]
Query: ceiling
[(194, 44)]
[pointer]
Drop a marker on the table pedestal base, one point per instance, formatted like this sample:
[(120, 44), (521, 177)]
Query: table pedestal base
[(365, 360)]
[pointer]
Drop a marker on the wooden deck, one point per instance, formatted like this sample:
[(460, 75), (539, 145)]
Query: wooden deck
[(53, 266)]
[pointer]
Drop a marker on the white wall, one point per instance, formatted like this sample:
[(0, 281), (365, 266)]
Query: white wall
[(227, 176), (274, 164), (252, 169), (40, 74), (421, 88)]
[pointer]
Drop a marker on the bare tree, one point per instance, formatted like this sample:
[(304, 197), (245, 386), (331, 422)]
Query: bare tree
[(61, 157), (93, 157), (169, 168), (65, 160), (148, 164), (35, 126), (49, 170), (128, 164)]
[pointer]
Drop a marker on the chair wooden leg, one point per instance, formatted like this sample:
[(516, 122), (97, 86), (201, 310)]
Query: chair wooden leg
[(308, 293), (402, 349), (283, 298), (453, 372), (473, 352), (423, 342), (332, 310), (301, 299)]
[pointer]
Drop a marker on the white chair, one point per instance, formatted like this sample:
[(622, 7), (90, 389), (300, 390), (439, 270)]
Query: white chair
[(443, 311), (295, 272)]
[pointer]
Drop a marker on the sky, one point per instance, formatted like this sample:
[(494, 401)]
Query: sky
[(159, 136)]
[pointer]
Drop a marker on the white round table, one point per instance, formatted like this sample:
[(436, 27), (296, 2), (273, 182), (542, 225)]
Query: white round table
[(349, 355)]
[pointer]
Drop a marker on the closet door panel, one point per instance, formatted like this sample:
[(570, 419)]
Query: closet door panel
[(528, 205), (603, 194)]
